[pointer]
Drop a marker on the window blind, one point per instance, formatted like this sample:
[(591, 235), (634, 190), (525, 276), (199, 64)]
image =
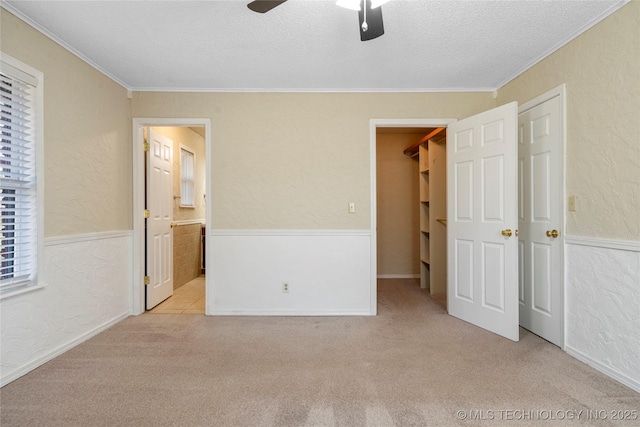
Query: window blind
[(18, 201), (187, 178)]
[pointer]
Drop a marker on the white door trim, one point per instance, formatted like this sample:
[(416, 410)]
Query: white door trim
[(137, 263), (561, 93), (373, 125)]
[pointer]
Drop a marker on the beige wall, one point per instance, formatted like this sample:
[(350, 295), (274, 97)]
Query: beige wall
[(87, 136), (601, 69), (397, 205), (190, 139), (295, 160)]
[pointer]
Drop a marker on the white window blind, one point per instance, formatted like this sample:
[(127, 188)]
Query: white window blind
[(18, 201), (187, 177)]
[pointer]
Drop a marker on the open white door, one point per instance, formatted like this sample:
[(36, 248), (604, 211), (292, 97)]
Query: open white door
[(540, 216), (160, 207), (482, 220)]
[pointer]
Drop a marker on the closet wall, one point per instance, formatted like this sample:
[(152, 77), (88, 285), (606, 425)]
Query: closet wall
[(397, 212)]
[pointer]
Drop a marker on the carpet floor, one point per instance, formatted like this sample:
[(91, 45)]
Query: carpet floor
[(412, 365)]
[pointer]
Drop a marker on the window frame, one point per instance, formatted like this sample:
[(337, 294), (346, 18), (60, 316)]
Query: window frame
[(21, 71), (192, 181)]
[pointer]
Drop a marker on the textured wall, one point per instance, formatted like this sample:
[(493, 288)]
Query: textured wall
[(603, 308), (397, 204), (87, 136), (295, 160), (88, 289), (601, 69), (88, 189)]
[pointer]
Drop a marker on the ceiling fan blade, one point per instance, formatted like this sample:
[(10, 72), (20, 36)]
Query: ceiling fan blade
[(262, 6), (374, 22)]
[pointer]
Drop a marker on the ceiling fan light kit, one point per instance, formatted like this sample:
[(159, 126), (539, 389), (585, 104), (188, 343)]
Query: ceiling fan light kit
[(369, 14), (355, 4)]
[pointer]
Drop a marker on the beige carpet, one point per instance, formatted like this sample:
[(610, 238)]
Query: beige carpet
[(412, 365)]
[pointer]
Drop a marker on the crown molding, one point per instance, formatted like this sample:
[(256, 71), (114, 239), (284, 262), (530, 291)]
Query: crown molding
[(8, 7)]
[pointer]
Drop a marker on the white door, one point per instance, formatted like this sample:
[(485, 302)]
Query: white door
[(482, 219), (160, 207), (540, 220)]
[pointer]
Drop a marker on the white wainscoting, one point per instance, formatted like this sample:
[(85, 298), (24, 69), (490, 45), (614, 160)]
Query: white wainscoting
[(603, 306), (328, 272), (87, 289)]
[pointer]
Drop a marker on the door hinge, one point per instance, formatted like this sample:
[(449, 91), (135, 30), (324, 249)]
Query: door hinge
[(147, 280), (147, 214), (146, 147)]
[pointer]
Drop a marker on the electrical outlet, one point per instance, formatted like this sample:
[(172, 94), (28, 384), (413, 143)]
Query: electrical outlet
[(285, 288)]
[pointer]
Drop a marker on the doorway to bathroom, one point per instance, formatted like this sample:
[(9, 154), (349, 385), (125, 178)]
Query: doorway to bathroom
[(171, 183)]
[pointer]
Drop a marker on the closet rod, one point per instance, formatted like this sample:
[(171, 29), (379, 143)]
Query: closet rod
[(414, 147)]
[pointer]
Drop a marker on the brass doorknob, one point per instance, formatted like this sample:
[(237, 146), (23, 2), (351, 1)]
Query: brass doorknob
[(552, 233), (507, 232), (173, 224)]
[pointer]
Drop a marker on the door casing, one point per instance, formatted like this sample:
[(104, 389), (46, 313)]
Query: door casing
[(137, 303)]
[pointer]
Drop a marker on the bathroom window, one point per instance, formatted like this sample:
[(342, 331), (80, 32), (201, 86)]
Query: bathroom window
[(187, 177), (20, 175)]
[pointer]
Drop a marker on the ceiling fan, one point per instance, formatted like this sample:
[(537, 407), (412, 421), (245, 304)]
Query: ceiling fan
[(369, 14)]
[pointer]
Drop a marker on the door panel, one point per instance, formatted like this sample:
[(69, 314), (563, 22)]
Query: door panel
[(464, 192), (492, 189), (540, 160), (159, 197), (463, 278), (494, 281), (482, 202), (541, 279)]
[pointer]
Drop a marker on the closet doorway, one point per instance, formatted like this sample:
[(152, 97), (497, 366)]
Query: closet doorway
[(171, 264), (488, 284), (410, 196)]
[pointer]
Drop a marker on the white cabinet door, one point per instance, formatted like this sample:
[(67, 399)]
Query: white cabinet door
[(481, 213), (159, 231), (540, 212)]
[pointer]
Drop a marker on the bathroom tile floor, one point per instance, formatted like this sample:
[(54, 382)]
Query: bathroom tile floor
[(188, 298)]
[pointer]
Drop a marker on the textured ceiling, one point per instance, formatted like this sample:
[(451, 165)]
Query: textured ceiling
[(312, 45)]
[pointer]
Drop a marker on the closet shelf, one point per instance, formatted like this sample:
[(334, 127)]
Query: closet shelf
[(413, 149), (426, 261), (442, 221)]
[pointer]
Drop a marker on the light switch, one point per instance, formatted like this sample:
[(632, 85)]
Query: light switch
[(352, 207), (572, 203)]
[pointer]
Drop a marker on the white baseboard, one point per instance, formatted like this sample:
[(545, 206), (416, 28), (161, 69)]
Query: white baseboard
[(608, 371), (398, 276), (285, 313), (35, 363)]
